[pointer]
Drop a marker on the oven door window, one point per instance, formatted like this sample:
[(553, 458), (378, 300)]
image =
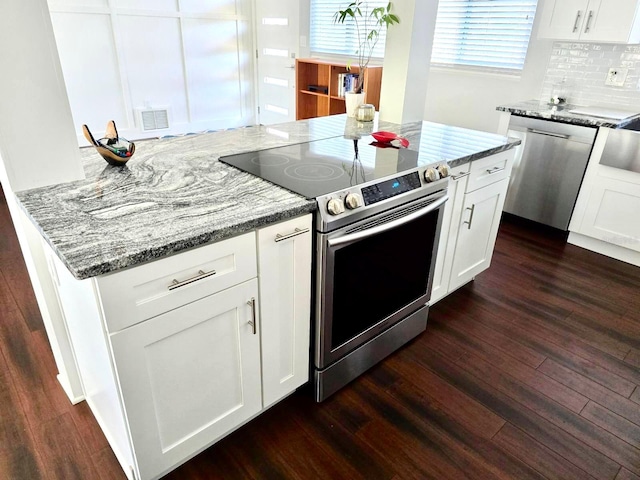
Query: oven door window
[(380, 275)]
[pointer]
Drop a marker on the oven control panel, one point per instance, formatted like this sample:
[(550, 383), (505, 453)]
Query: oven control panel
[(390, 188)]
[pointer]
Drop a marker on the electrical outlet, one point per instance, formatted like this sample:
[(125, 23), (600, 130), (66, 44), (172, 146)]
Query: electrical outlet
[(616, 77)]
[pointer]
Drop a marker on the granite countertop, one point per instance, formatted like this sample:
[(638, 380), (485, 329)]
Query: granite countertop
[(560, 113), (174, 194)]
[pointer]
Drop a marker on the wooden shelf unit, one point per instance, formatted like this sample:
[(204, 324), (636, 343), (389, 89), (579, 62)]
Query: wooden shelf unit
[(313, 71)]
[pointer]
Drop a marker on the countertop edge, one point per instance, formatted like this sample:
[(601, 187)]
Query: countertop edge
[(577, 119), (512, 143), (139, 258)]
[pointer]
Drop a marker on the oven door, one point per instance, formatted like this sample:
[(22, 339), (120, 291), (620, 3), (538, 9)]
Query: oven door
[(374, 273)]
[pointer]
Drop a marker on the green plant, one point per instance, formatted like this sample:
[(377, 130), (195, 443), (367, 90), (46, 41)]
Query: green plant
[(369, 23)]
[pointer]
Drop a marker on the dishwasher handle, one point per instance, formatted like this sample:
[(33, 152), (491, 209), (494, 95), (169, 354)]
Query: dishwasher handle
[(549, 134)]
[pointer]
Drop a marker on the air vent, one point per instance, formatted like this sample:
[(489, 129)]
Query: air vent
[(153, 118)]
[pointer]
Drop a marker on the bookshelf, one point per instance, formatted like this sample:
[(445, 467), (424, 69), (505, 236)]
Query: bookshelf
[(323, 73)]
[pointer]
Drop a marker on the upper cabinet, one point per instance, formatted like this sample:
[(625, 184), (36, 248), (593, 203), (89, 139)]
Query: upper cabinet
[(614, 21)]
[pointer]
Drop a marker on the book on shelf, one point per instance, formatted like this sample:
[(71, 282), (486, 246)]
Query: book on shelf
[(346, 83)]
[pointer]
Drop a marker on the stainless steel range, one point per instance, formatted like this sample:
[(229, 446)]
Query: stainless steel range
[(377, 229)]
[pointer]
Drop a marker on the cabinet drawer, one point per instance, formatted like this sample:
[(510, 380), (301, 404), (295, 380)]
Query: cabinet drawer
[(134, 295), (490, 169)]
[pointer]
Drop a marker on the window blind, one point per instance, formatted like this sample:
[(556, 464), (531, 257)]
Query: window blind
[(339, 38), (483, 33)]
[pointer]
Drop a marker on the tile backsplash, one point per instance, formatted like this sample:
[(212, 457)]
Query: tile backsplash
[(580, 69)]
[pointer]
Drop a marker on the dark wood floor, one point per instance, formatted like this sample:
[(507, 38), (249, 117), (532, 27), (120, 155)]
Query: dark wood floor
[(532, 371)]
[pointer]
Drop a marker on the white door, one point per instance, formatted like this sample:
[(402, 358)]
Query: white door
[(611, 20), (277, 28), (189, 376), (449, 232), (284, 261), (479, 224)]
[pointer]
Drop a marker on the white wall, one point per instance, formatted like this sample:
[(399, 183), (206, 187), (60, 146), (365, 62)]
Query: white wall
[(193, 56), (468, 99)]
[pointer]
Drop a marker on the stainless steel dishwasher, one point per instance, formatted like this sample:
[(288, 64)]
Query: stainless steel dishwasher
[(548, 169)]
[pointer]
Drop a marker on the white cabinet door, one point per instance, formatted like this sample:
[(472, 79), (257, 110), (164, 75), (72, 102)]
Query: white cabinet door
[(610, 21), (189, 376), (284, 264), (449, 232), (563, 19), (478, 226), (612, 211)]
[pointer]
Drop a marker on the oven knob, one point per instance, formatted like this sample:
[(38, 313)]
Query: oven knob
[(353, 201), (335, 206), (443, 170), (431, 175)]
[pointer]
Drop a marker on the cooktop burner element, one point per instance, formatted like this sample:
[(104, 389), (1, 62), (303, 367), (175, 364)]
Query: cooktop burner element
[(270, 160), (315, 172)]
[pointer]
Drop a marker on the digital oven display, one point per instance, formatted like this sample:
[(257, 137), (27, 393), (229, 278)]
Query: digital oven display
[(390, 188)]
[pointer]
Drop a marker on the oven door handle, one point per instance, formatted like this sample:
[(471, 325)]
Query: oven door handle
[(388, 226)]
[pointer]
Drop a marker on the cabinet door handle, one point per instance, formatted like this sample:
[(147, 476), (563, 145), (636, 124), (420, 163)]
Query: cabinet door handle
[(548, 134), (295, 233), (473, 209), (588, 26), (252, 304), (458, 177), (176, 284), (494, 170), (575, 25)]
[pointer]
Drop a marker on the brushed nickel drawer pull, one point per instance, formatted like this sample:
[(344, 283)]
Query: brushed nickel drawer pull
[(495, 170), (295, 233), (462, 175), (252, 304), (201, 274), (473, 209)]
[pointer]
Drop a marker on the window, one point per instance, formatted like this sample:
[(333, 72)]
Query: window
[(337, 38), (483, 33)]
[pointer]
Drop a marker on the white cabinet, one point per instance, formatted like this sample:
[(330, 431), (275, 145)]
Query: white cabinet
[(284, 252), (477, 233), (175, 354), (189, 376), (449, 232), (471, 219), (606, 212), (613, 21)]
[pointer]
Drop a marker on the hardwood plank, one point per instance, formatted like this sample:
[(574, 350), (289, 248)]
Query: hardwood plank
[(19, 457), (633, 357), (63, 449), (434, 392), (13, 267), (107, 465), (626, 475), (586, 431), (26, 361), (491, 336), (477, 457), (613, 423), (545, 432), (635, 396), (596, 392), (562, 347), (525, 374), (532, 452)]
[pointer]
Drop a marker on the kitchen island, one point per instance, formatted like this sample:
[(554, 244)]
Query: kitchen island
[(188, 313)]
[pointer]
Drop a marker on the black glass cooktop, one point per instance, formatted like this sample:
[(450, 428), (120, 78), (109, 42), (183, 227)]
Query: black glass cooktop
[(316, 168)]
